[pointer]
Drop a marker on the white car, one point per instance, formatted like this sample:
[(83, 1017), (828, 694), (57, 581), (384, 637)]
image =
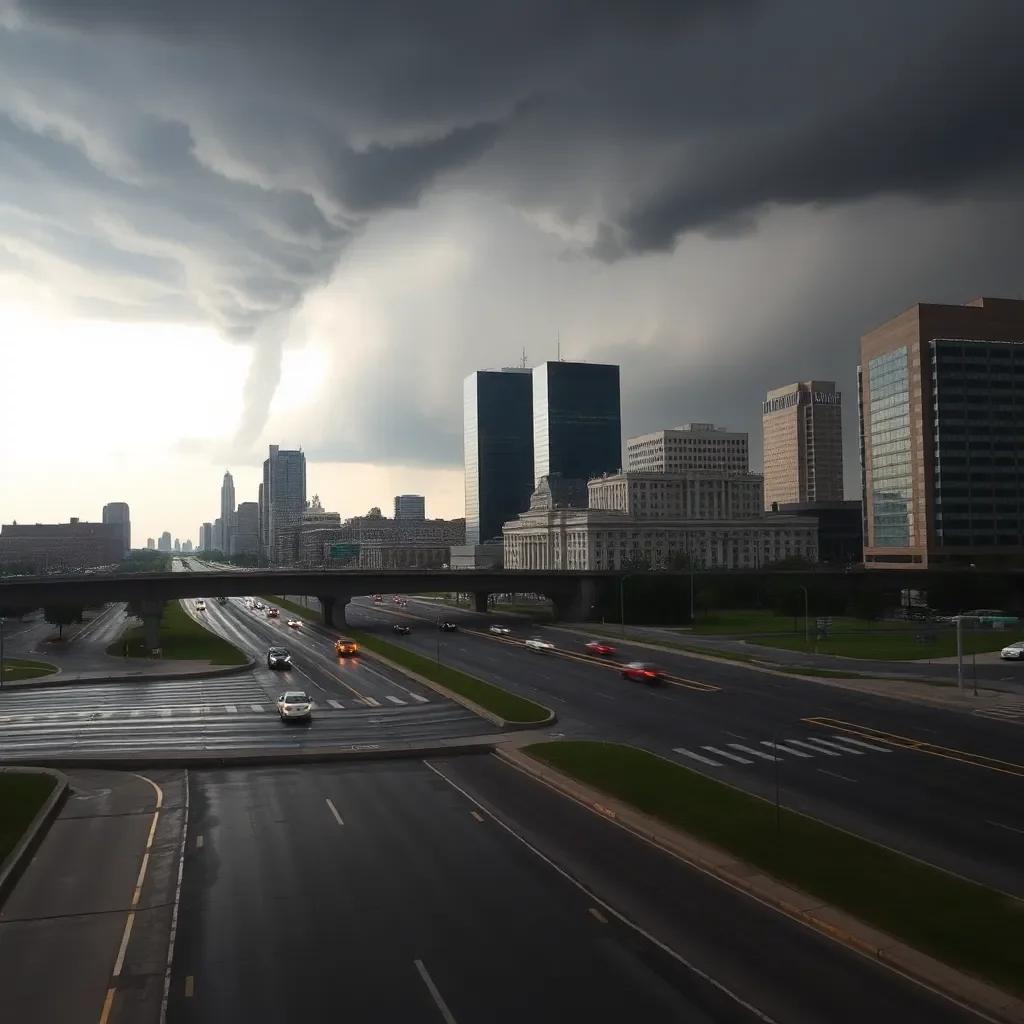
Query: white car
[(500, 630), (1013, 652), (295, 706), (537, 644), (294, 623), (200, 606)]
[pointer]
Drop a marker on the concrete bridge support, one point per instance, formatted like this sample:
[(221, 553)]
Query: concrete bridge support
[(151, 613), (333, 608), (480, 602)]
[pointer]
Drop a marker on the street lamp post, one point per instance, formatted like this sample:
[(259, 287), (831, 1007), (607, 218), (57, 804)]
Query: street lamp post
[(807, 628)]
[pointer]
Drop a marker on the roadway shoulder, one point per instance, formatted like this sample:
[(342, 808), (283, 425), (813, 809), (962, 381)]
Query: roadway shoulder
[(19, 857), (797, 904), (904, 689)]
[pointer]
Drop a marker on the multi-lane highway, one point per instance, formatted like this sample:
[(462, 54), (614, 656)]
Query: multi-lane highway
[(945, 786), (357, 704)]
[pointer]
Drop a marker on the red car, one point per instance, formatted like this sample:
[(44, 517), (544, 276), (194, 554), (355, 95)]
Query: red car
[(600, 647), (643, 672)]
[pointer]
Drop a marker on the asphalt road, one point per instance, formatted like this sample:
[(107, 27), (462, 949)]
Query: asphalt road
[(379, 892), (955, 798), (357, 704)]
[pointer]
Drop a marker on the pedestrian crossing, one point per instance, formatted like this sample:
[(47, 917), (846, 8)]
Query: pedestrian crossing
[(1008, 709), (778, 750)]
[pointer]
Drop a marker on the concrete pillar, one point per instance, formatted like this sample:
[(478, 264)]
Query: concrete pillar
[(151, 612), (333, 609), (480, 603)]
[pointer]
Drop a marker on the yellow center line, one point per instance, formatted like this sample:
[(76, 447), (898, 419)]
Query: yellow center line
[(967, 757), (598, 916), (477, 815), (190, 986)]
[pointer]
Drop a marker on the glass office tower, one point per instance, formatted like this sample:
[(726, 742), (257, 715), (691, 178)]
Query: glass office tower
[(577, 424), (497, 449)]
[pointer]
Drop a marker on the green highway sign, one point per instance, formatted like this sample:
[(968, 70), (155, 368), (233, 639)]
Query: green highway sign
[(344, 551)]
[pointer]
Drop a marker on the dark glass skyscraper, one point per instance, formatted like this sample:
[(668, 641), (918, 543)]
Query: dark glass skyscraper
[(577, 425), (497, 449)]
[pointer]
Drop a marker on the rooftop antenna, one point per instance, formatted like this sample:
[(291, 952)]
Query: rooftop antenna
[(558, 355), (523, 362)]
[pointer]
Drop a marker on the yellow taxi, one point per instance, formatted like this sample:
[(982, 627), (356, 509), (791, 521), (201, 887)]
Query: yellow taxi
[(343, 645)]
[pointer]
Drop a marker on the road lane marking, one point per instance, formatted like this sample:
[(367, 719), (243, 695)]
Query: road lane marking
[(750, 750), (199, 842), (394, 700), (373, 702), (477, 815), (836, 746), (607, 908), (735, 735), (1010, 828), (783, 750), (334, 811), (817, 750), (598, 916), (860, 743), (174, 911), (231, 709), (190, 986), (335, 704), (107, 1004), (256, 707), (725, 753), (835, 775), (419, 697), (696, 757), (434, 993)]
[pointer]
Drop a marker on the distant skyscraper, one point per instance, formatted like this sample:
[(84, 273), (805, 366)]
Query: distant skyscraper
[(177, 544), (410, 506), (186, 546), (284, 494), (150, 543), (261, 503), (577, 423), (218, 535), (227, 511), (803, 443), (164, 543), (247, 529), (497, 409), (206, 537), (117, 512)]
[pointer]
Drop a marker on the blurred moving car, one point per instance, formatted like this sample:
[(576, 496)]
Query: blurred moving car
[(401, 630), (294, 623), (295, 706), (537, 643), (278, 657), (643, 672), (500, 630), (447, 627), (200, 606), (1013, 652), (345, 645), (273, 613), (602, 647)]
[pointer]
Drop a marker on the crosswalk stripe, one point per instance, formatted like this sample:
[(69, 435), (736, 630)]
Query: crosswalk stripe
[(861, 743), (136, 712), (166, 712), (335, 704), (416, 696), (751, 750), (394, 700), (256, 707), (231, 709), (696, 757), (817, 750), (725, 753), (836, 746), (372, 702), (784, 750)]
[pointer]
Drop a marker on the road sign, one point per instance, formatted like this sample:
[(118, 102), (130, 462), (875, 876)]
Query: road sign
[(344, 551)]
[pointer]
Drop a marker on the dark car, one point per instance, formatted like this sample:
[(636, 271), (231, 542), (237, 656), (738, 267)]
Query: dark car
[(400, 630), (643, 672), (278, 657), (602, 647), (447, 627)]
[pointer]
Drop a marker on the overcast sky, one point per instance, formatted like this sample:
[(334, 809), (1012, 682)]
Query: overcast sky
[(230, 223)]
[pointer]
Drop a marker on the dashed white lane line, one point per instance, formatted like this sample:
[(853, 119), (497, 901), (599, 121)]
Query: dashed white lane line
[(836, 775), (372, 701), (783, 749), (335, 704), (256, 707), (750, 750), (416, 696), (696, 757), (1009, 828), (731, 757), (810, 746), (861, 743), (231, 709), (434, 993), (835, 746), (334, 811), (394, 700)]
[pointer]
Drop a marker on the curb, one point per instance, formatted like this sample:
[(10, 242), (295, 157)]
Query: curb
[(257, 756), (470, 705), (810, 910), (21, 855), (136, 677)]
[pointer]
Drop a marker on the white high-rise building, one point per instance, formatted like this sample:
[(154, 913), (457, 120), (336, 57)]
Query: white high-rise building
[(693, 447), (164, 544)]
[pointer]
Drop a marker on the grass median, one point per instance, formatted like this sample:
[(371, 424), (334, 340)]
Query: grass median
[(894, 645), (20, 668), (22, 794), (513, 708), (181, 639), (959, 922)]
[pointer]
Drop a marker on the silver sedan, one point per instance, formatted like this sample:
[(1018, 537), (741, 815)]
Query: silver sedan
[(295, 706)]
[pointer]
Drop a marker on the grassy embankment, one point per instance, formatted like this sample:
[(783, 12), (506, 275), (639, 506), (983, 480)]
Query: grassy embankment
[(965, 925), (21, 796), (181, 639)]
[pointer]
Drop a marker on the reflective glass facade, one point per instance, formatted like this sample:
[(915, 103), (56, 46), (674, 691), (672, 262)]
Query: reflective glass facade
[(978, 419), (891, 463), (497, 449), (577, 425)]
